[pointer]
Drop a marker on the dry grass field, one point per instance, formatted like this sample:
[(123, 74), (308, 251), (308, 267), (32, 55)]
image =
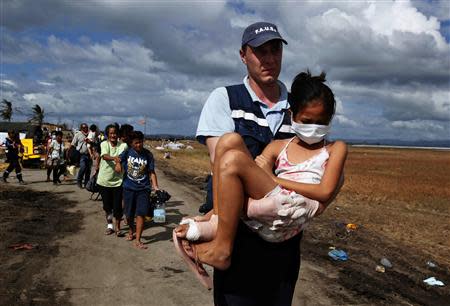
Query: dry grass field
[(400, 200), (401, 193)]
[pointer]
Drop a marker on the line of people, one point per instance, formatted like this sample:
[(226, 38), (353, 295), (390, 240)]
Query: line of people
[(125, 176), (123, 169)]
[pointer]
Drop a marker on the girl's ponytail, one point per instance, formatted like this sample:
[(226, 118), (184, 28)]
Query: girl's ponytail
[(307, 88)]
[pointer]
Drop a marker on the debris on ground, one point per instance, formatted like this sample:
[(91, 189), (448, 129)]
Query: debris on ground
[(380, 269), (432, 281), (351, 226), (431, 264), (338, 255), (385, 262), (22, 246)]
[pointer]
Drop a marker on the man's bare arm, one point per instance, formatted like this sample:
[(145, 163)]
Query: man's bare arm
[(211, 143)]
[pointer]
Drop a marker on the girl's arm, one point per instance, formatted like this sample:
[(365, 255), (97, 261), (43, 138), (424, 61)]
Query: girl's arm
[(324, 191), (154, 180), (266, 160)]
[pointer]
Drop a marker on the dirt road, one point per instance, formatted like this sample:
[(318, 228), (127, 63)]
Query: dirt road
[(93, 269), (75, 263)]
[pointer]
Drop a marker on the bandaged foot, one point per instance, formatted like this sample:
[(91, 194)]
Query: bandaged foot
[(272, 206), (201, 230)]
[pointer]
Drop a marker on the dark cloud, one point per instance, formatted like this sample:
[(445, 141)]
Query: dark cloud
[(387, 61)]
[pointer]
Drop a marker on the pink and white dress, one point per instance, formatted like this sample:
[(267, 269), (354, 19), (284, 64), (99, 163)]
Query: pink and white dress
[(290, 221)]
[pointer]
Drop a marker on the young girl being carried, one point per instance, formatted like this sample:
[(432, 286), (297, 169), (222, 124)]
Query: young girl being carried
[(308, 175)]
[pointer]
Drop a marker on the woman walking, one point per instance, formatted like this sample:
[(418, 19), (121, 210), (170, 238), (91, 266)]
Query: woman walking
[(109, 181)]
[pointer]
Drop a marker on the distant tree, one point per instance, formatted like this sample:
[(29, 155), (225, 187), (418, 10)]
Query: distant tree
[(37, 115), (6, 110)]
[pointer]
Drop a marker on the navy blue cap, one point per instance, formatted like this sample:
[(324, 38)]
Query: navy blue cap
[(259, 33)]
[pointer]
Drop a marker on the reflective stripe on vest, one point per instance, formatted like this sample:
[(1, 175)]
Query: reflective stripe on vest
[(250, 122)]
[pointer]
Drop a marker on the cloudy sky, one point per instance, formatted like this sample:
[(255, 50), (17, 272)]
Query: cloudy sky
[(101, 61)]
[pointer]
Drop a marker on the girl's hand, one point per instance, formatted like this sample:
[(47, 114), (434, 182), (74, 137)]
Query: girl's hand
[(261, 161), (264, 164)]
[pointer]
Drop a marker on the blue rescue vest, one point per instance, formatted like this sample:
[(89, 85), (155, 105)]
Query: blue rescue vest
[(250, 122)]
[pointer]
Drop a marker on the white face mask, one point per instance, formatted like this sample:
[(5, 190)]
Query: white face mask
[(310, 133)]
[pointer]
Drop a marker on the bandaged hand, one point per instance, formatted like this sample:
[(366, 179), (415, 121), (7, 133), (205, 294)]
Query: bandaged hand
[(296, 215), (268, 208), (303, 207)]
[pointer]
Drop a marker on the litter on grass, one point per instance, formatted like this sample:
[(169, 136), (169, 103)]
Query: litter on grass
[(22, 246), (431, 264), (380, 269), (385, 262), (432, 281), (351, 226), (338, 255)]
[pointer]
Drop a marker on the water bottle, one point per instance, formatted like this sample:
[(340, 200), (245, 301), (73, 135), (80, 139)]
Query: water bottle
[(159, 213)]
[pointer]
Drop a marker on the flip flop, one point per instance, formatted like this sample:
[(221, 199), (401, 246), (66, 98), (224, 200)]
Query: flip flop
[(193, 264), (129, 237)]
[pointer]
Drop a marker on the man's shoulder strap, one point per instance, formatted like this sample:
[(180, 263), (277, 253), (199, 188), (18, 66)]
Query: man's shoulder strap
[(238, 96)]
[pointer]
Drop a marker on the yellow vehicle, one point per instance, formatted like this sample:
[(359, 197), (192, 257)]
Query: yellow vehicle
[(33, 151), (33, 154)]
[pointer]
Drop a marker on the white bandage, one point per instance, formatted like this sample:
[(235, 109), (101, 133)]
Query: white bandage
[(193, 233)]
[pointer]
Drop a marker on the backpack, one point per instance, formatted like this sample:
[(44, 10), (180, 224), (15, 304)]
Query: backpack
[(92, 186), (73, 156)]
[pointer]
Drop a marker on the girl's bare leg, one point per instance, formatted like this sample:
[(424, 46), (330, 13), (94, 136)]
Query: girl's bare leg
[(239, 176), (230, 141)]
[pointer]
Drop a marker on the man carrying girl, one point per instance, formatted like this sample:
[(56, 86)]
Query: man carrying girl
[(308, 172)]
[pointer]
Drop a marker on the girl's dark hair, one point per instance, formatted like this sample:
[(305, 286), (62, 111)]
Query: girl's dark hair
[(59, 133), (108, 127), (136, 135), (93, 128), (307, 88)]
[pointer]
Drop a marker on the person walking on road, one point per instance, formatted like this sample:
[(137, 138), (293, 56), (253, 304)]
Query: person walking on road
[(13, 146), (109, 181), (138, 166), (80, 143), (56, 155)]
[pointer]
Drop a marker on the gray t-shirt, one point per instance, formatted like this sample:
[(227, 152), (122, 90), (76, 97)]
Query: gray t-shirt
[(79, 143)]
